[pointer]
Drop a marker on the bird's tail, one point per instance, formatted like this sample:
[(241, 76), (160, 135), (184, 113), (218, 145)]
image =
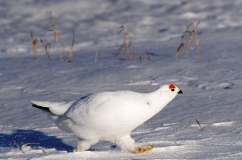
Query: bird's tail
[(36, 105), (56, 108)]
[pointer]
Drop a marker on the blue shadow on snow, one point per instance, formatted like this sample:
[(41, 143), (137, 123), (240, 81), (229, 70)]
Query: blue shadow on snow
[(31, 136)]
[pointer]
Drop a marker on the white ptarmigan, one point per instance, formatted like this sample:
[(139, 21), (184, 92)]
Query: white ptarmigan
[(109, 116)]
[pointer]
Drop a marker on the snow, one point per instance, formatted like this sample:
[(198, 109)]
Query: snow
[(211, 86)]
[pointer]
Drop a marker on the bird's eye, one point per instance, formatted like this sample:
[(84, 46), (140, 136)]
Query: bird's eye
[(172, 90)]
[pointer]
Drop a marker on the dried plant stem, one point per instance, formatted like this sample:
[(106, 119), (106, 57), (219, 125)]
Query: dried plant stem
[(134, 55), (148, 56), (16, 143), (55, 35), (96, 55), (125, 44), (197, 39), (120, 48), (225, 51), (34, 45), (47, 48), (178, 49), (192, 33), (188, 43), (180, 46), (64, 54), (142, 56), (21, 148), (72, 46), (26, 144), (200, 126)]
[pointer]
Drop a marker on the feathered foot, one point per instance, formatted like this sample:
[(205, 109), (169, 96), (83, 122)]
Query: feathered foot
[(142, 149), (76, 149), (83, 145)]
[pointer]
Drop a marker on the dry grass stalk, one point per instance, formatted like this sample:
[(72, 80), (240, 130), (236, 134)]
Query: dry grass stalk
[(134, 55), (21, 148), (16, 143), (125, 44), (178, 49), (34, 45), (188, 43), (55, 35), (148, 56), (96, 55), (200, 126), (225, 51), (47, 48), (197, 39), (64, 54), (192, 33), (142, 56), (180, 46), (26, 144), (72, 46)]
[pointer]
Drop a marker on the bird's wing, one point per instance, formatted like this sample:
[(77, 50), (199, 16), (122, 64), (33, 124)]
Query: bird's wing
[(105, 105), (56, 108)]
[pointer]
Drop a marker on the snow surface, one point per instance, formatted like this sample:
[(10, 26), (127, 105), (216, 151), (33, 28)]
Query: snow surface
[(211, 86)]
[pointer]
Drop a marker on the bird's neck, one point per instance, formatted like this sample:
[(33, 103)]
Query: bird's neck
[(158, 101)]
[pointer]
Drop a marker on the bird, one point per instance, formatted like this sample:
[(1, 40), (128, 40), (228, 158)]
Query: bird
[(109, 116)]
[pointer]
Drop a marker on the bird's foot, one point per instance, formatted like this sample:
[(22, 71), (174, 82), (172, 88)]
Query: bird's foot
[(83, 145), (76, 149), (142, 149)]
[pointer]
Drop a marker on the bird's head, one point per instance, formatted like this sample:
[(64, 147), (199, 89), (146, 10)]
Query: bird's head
[(170, 90), (174, 89)]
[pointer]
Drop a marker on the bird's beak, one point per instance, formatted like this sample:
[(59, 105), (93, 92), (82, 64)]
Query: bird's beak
[(180, 92)]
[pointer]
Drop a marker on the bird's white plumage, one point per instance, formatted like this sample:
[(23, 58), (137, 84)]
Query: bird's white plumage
[(108, 116)]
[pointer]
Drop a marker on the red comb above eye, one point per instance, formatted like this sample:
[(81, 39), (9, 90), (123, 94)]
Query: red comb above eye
[(172, 86)]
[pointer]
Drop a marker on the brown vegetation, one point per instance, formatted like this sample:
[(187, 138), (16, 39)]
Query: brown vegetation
[(62, 53), (192, 34), (126, 44)]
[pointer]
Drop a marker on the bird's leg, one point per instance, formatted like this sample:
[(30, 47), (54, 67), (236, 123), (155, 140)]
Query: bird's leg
[(128, 144), (82, 145)]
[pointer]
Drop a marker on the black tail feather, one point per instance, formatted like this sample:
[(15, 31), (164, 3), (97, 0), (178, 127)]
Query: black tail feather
[(42, 108)]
